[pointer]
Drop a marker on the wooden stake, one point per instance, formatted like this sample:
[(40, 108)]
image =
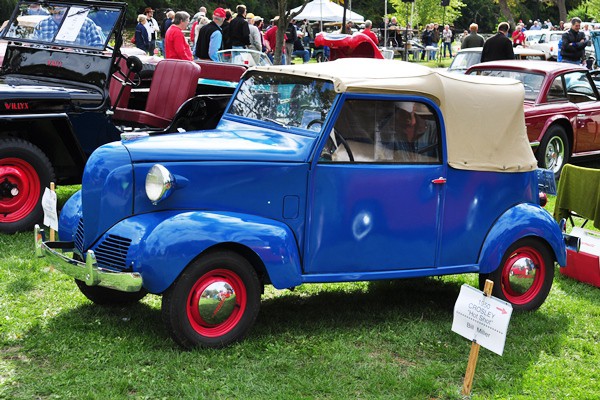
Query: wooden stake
[(474, 354), (52, 234)]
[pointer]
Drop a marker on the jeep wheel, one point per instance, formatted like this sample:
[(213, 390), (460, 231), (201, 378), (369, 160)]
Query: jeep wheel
[(525, 275), (213, 303), (109, 297), (24, 173)]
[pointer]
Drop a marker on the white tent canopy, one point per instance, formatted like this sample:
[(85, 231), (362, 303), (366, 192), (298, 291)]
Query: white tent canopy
[(325, 10)]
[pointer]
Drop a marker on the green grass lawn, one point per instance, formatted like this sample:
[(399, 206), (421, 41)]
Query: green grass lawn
[(362, 340)]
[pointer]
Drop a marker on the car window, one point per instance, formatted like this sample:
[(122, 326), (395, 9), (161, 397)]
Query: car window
[(63, 25), (557, 90), (464, 60), (579, 87), (378, 131), (532, 82), (285, 100)]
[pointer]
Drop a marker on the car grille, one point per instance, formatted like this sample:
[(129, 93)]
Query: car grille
[(79, 236), (112, 252)]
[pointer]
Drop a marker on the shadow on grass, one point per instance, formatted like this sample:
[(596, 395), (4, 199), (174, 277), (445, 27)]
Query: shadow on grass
[(408, 319)]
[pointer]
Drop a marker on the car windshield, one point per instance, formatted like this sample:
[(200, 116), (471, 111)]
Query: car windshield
[(464, 60), (531, 81), (62, 25), (285, 100)]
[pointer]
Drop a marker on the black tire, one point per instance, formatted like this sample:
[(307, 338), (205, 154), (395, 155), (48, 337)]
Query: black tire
[(554, 150), (24, 173), (524, 277), (321, 57), (109, 297), (229, 289)]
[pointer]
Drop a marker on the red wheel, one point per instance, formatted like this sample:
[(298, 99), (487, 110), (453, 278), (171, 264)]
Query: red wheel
[(214, 302), (525, 276), (20, 189), (24, 172)]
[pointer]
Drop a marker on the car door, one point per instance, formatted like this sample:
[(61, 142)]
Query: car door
[(375, 202), (582, 92)]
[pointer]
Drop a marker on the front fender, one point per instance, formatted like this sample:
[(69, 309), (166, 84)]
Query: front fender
[(518, 222), (164, 243)]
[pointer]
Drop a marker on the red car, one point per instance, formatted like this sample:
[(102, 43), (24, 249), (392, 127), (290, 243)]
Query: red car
[(562, 108)]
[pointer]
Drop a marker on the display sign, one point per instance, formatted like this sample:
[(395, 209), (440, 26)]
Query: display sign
[(481, 319), (49, 206)]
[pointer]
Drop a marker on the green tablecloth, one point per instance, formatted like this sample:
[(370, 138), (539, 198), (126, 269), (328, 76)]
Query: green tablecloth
[(578, 191)]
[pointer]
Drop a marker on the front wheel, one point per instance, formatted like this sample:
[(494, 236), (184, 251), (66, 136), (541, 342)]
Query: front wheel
[(553, 152), (109, 297), (525, 275), (214, 302), (24, 173)]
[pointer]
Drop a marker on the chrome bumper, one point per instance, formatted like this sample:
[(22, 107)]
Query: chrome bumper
[(88, 271)]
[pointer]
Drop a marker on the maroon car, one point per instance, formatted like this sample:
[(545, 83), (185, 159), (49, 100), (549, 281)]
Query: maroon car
[(562, 111)]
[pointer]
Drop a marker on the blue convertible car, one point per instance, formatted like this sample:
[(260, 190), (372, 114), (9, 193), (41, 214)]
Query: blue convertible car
[(352, 170)]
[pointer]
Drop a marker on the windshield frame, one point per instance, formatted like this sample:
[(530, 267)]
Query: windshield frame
[(114, 13)]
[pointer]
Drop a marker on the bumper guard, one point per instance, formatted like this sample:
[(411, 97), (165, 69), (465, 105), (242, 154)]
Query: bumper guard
[(88, 271)]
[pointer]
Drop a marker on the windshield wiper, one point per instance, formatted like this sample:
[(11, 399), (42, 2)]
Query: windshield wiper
[(277, 122)]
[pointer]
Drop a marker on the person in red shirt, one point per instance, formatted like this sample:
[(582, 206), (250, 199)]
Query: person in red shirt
[(176, 46), (270, 40), (367, 31)]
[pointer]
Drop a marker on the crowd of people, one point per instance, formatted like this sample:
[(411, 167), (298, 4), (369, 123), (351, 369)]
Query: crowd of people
[(571, 47), (225, 29), (240, 29)]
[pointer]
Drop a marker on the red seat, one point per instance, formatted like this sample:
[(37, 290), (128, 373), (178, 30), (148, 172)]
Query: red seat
[(173, 82), (221, 71), (114, 88)]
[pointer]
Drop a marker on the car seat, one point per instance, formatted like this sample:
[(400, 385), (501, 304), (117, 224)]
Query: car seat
[(174, 82)]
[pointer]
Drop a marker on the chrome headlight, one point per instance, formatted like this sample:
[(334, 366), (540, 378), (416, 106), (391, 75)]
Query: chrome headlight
[(159, 183)]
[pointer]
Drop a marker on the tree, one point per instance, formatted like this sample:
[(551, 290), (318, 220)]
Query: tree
[(285, 17), (426, 11)]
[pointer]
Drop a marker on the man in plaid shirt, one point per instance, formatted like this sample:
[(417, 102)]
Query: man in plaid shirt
[(89, 34)]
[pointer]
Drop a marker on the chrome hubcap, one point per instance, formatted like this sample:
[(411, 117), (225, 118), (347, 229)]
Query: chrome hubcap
[(522, 275), (217, 303), (555, 154)]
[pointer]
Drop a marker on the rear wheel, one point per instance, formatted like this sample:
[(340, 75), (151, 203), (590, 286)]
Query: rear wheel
[(214, 302), (553, 152), (524, 277), (24, 173)]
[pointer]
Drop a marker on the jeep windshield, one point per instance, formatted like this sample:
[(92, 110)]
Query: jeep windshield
[(65, 24), (288, 101)]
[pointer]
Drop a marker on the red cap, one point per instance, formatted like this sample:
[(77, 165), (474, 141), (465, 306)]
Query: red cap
[(219, 12)]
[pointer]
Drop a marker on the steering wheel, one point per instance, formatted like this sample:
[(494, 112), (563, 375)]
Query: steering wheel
[(318, 121), (427, 148), (528, 88), (134, 66), (345, 144)]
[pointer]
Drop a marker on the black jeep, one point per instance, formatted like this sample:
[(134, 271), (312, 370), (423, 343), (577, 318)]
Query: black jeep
[(64, 83)]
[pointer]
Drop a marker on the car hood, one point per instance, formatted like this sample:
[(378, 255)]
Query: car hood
[(231, 141), (27, 95)]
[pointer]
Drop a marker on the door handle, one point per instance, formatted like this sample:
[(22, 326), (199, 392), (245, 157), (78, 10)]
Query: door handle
[(439, 181)]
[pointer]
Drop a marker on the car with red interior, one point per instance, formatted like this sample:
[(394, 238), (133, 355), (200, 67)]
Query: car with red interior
[(562, 111)]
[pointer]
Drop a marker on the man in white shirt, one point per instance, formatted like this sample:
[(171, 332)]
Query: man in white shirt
[(255, 42), (152, 28)]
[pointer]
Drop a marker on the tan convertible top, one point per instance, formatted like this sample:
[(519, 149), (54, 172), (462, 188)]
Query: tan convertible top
[(485, 123)]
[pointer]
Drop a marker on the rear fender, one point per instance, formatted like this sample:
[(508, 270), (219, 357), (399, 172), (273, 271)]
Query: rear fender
[(518, 222), (164, 243)]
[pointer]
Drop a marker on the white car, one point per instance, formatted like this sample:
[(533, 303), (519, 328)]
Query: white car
[(548, 43), (471, 56), (533, 36)]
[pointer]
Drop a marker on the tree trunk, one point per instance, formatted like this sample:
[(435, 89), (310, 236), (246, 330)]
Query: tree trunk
[(282, 24), (562, 10), (506, 12)]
